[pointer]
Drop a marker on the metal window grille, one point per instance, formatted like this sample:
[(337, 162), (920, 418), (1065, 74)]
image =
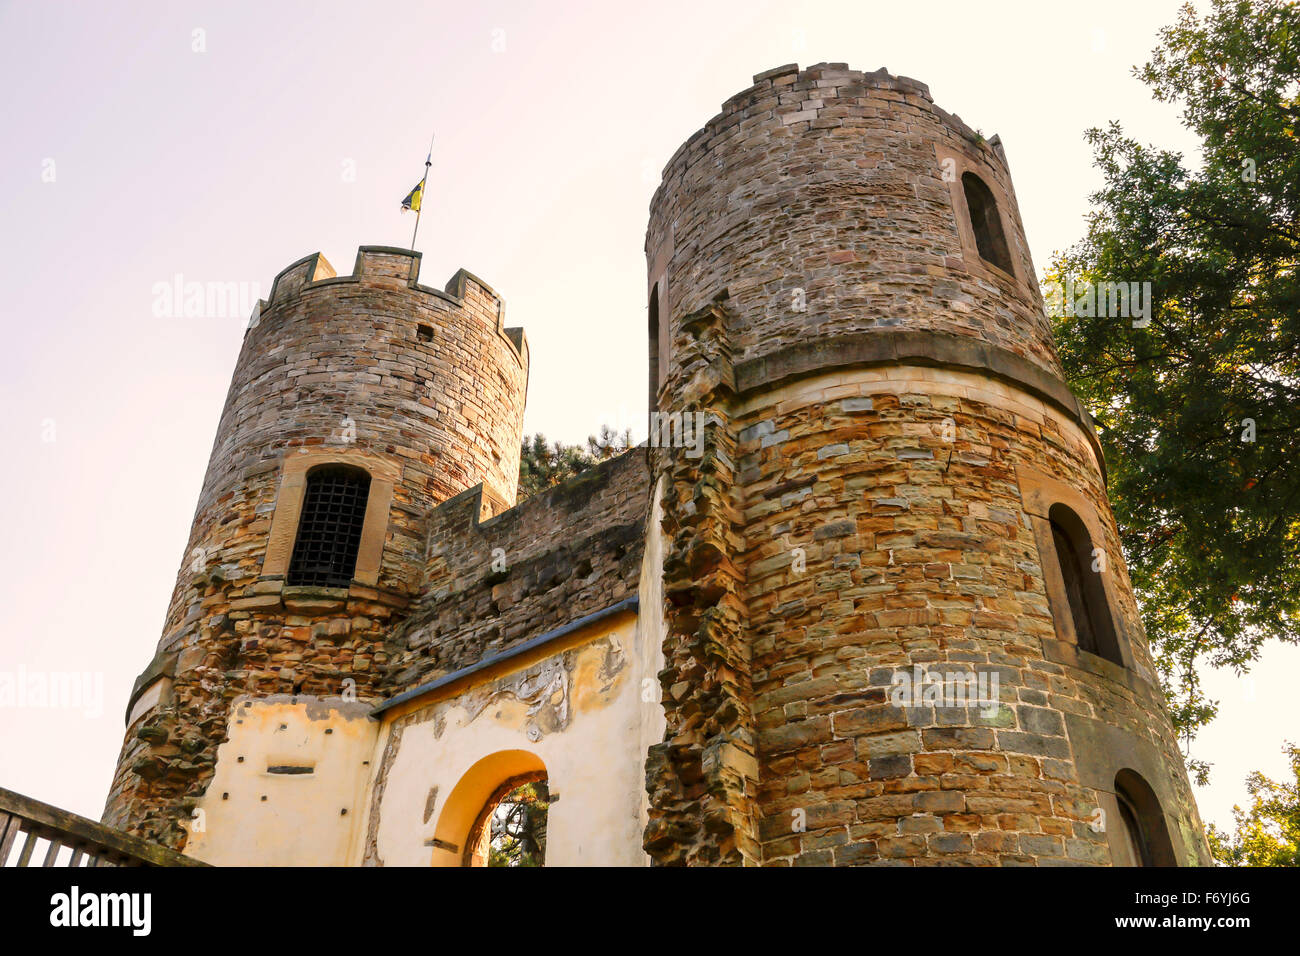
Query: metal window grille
[(329, 533)]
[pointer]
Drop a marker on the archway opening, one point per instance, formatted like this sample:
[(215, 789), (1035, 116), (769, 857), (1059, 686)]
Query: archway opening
[(1089, 610), (464, 835), (986, 222)]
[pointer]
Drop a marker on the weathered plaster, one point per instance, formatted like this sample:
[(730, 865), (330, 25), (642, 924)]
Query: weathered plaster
[(289, 786), (571, 713)]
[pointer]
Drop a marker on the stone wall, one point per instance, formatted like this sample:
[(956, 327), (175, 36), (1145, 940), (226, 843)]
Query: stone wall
[(873, 546), (491, 584), (569, 709), (702, 779), (818, 199)]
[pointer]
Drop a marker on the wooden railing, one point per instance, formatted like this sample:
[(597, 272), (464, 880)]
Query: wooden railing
[(35, 833)]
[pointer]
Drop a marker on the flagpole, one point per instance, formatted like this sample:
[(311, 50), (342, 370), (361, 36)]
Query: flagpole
[(428, 161)]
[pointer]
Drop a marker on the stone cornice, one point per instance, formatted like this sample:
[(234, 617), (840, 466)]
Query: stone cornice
[(902, 347)]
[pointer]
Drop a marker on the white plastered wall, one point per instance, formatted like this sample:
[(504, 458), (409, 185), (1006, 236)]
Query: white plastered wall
[(577, 711)]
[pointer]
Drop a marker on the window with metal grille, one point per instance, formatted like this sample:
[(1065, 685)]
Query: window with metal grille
[(329, 533)]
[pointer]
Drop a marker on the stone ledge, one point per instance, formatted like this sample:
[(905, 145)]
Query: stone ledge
[(900, 347), (1070, 655)]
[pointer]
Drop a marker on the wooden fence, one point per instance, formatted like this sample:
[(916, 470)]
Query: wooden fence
[(36, 834)]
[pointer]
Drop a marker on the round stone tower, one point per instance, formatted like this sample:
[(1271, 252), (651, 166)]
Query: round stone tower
[(358, 403), (900, 629)]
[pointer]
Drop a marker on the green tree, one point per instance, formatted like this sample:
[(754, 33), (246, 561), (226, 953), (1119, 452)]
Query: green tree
[(1269, 834), (543, 464), (517, 827), (1199, 411)]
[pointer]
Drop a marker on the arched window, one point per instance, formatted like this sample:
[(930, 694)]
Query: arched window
[(497, 810), (1144, 835), (329, 531), (986, 222), (1094, 628), (654, 347)]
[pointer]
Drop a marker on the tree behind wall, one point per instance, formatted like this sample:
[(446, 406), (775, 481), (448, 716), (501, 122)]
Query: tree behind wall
[(543, 465)]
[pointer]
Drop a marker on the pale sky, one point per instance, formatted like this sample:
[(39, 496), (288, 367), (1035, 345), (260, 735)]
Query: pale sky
[(130, 157)]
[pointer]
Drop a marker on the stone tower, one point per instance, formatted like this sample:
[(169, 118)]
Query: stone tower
[(367, 392), (899, 625)]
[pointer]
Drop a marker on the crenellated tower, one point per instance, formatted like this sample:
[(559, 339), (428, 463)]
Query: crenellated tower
[(358, 403), (867, 553)]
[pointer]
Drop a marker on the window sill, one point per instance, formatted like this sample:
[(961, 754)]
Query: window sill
[(1061, 652), (311, 599)]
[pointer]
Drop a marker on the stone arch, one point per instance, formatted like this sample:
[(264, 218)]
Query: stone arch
[(478, 787)]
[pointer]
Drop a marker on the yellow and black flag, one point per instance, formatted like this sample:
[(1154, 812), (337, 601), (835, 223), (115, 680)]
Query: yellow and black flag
[(415, 198), (412, 200)]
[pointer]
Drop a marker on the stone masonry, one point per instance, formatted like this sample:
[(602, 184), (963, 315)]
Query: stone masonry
[(886, 413)]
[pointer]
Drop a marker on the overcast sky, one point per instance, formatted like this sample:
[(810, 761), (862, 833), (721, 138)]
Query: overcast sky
[(220, 142)]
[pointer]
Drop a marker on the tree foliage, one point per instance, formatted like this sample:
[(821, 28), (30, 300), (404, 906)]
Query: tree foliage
[(1269, 833), (517, 827), (1199, 411), (543, 464)]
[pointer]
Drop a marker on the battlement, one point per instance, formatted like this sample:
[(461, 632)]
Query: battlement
[(492, 582), (390, 266)]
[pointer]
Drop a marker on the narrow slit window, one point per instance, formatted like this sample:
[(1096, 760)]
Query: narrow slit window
[(1085, 594), (1144, 834), (329, 532), (986, 222), (655, 378)]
